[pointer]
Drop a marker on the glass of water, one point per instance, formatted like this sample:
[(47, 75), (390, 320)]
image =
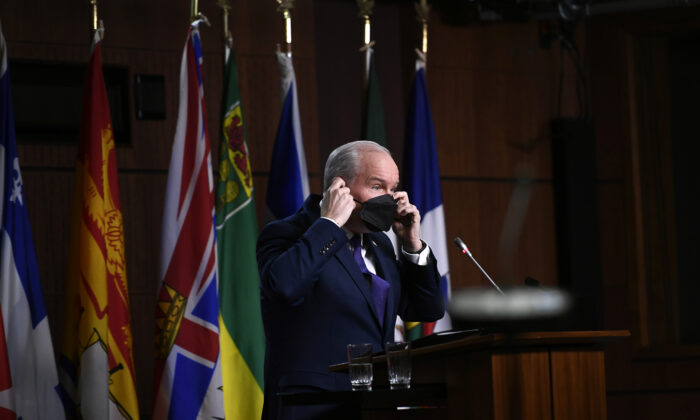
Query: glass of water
[(360, 361), (398, 359)]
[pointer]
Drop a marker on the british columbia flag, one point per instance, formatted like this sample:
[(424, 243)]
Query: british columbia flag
[(188, 381)]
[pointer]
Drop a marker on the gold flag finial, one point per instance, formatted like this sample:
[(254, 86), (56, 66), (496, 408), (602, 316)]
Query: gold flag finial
[(226, 7), (93, 5), (97, 27), (423, 11), (366, 7), (285, 6)]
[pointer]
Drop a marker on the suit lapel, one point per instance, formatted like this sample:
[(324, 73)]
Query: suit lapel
[(382, 265), (348, 261)]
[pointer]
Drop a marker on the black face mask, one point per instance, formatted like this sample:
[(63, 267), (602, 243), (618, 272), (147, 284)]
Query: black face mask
[(378, 212)]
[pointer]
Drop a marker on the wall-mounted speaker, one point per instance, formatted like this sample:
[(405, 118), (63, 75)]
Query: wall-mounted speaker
[(149, 96), (576, 219)]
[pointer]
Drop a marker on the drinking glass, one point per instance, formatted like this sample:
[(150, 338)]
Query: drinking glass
[(360, 361)]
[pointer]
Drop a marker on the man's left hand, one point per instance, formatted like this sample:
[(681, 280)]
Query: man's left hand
[(407, 223)]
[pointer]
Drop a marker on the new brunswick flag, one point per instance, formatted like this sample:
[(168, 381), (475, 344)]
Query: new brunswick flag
[(241, 329), (96, 363)]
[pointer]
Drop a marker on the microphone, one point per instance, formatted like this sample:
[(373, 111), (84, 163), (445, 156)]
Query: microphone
[(463, 248)]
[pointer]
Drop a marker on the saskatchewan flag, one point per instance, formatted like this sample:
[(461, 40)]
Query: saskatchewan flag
[(241, 329)]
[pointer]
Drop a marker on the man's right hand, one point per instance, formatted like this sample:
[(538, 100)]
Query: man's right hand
[(337, 203)]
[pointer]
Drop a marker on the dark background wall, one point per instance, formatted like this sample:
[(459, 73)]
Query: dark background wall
[(494, 91)]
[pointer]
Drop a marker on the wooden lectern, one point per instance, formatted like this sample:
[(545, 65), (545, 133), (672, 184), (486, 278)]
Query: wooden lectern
[(553, 375)]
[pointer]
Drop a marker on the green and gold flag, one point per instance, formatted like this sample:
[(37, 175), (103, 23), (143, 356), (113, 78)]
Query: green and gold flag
[(241, 329)]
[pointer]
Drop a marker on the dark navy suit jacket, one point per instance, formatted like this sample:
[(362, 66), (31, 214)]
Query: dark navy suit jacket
[(315, 301)]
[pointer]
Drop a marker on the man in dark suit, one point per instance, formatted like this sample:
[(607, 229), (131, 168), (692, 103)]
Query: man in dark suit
[(315, 298)]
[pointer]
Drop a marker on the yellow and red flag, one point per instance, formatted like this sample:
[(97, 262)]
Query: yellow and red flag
[(97, 368)]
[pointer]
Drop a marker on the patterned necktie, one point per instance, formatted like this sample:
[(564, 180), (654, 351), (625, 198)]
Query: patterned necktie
[(380, 287)]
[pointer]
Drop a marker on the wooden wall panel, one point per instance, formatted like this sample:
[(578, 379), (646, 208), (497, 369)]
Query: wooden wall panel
[(607, 76), (262, 105), (476, 211), (306, 80), (677, 405), (151, 26), (339, 63), (612, 241), (142, 197), (339, 69), (494, 112), (257, 28), (491, 121), (45, 22), (645, 380), (142, 330)]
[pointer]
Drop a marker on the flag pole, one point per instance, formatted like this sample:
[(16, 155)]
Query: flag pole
[(285, 6), (228, 37), (423, 11), (366, 7), (194, 10)]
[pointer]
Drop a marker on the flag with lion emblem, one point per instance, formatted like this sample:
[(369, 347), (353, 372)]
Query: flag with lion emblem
[(97, 367), (241, 329)]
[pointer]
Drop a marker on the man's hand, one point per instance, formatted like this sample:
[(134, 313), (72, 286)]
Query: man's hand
[(337, 202), (407, 224)]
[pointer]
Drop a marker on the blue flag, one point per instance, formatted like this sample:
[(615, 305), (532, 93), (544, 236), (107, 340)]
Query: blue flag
[(421, 175), (288, 184), (28, 377)]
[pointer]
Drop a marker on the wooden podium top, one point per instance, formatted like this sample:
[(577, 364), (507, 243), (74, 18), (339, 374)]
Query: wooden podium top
[(475, 340), (534, 375)]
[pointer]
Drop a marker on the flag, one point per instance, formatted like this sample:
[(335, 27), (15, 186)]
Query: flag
[(373, 110), (28, 378), (241, 329), (288, 185), (188, 382), (97, 367), (422, 183)]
